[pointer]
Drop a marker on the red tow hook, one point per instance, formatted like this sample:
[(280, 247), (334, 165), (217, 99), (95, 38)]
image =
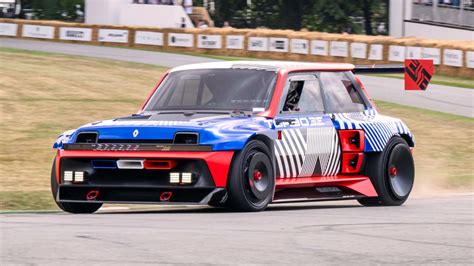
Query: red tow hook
[(166, 196), (92, 195)]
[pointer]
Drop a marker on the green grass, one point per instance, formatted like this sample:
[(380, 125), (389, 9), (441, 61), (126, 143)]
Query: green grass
[(44, 94), (440, 80), (27, 200)]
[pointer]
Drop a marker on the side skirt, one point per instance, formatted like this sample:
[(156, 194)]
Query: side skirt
[(323, 188)]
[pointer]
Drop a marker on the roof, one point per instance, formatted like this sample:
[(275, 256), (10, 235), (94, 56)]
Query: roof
[(266, 65)]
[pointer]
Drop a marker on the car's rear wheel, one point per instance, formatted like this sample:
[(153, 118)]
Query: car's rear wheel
[(251, 180), (70, 207), (392, 173)]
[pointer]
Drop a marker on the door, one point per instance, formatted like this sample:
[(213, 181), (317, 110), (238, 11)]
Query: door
[(307, 143)]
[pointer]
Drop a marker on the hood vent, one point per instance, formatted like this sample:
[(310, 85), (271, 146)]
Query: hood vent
[(86, 137), (186, 138)]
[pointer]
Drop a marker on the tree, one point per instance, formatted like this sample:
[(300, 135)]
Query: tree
[(51, 9), (357, 16)]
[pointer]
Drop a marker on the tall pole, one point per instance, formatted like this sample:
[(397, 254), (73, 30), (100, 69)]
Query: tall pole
[(14, 8)]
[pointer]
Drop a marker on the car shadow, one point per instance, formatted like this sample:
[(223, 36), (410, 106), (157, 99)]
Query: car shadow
[(210, 210)]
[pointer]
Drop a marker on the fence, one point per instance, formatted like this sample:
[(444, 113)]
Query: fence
[(454, 58)]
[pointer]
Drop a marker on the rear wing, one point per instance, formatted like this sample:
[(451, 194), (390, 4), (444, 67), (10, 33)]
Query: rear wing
[(418, 72), (378, 69)]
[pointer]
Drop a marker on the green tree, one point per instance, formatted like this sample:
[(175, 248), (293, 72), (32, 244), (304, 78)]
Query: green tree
[(54, 9), (357, 16), (330, 16)]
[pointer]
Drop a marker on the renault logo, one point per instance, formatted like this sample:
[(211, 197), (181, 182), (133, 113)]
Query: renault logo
[(135, 133)]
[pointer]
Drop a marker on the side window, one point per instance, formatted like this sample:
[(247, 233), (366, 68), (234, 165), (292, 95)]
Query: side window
[(340, 93), (304, 95)]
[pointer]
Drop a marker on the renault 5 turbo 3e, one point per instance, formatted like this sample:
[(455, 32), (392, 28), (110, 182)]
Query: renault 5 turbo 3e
[(240, 135)]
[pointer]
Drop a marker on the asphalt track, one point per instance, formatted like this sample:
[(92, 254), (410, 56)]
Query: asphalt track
[(424, 231), (453, 100)]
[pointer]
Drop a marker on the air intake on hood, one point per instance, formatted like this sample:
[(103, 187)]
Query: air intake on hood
[(87, 137), (186, 138)]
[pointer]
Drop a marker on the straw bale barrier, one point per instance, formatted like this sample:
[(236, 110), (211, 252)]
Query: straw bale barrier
[(455, 58)]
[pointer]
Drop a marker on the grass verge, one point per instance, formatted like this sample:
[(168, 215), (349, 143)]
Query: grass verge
[(45, 94)]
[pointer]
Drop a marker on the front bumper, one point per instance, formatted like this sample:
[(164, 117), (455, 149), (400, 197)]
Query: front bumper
[(127, 194), (141, 185)]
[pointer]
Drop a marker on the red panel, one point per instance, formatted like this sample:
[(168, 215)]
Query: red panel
[(315, 181), (352, 140), (218, 161), (219, 165), (358, 183), (159, 164), (273, 108), (348, 159), (363, 187), (418, 73)]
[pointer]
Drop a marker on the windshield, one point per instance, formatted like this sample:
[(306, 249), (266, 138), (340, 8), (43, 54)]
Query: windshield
[(214, 89)]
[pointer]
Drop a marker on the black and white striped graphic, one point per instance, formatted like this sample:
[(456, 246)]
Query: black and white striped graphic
[(378, 128), (305, 152)]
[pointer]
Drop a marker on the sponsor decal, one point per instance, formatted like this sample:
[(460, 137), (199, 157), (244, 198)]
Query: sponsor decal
[(299, 46), (210, 41), (8, 29), (418, 74), (470, 59), (258, 44), (279, 45), (34, 31), (75, 34), (452, 57), (109, 35), (359, 50), (319, 47), (235, 42), (180, 40), (413, 52), (376, 52), (149, 38), (431, 53), (310, 121), (339, 49), (396, 53)]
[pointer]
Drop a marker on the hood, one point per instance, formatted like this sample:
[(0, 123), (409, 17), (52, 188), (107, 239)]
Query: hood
[(223, 132)]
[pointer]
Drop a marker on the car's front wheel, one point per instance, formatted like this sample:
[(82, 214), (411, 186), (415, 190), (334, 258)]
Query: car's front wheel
[(392, 173), (70, 207), (251, 179)]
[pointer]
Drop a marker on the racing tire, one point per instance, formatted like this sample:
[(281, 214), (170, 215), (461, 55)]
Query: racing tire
[(71, 207), (252, 180), (392, 173)]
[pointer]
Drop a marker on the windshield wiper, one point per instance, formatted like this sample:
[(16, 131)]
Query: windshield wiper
[(239, 113)]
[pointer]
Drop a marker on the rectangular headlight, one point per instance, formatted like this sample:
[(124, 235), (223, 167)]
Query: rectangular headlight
[(78, 176), (68, 176), (174, 178), (186, 178)]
